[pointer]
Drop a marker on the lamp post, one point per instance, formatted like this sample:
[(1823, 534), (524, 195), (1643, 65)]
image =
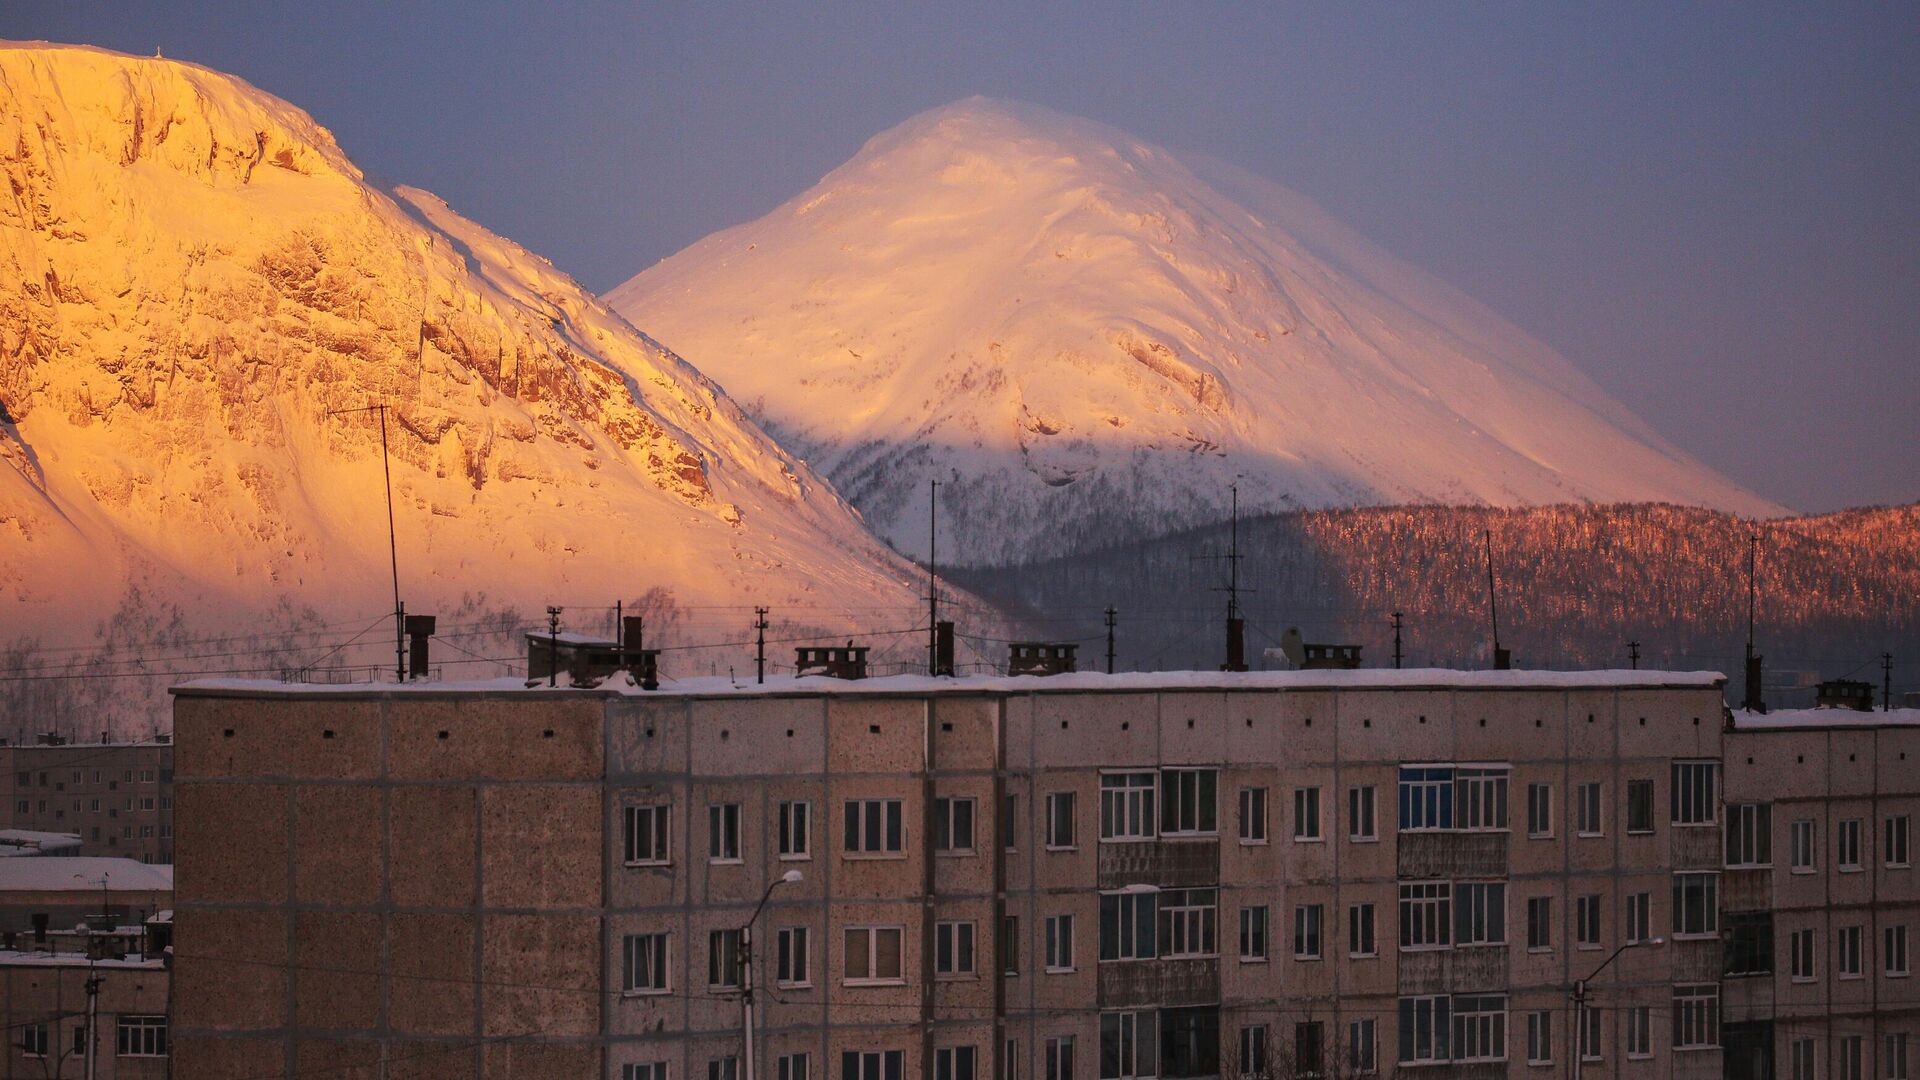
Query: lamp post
[(746, 966), (1580, 996)]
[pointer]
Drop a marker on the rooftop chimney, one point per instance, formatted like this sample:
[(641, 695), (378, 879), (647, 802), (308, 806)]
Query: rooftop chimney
[(1041, 658), (419, 631), (836, 661)]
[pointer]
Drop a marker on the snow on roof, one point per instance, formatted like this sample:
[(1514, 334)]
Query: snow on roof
[(1080, 682), (568, 637), (15, 958), (20, 843), (83, 874), (1823, 718)]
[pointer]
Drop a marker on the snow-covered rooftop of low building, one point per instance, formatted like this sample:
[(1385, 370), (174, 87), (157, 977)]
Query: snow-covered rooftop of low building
[(1823, 718), (83, 874), (19, 958), (26, 842), (1079, 682)]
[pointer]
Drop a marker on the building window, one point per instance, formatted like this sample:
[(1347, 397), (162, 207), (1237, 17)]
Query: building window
[(873, 827), (790, 968), (1127, 1045), (1253, 1051), (1539, 810), (1586, 809), (1253, 815), (953, 825), (33, 1037), (1010, 1061), (1253, 933), (723, 1068), (1895, 1056), (1010, 945), (873, 954), (953, 1063), (1060, 941), (723, 959), (872, 1064), (1363, 1047), (1588, 1035), (1846, 952), (1190, 1041), (1309, 1050), (1539, 922), (647, 834), (1187, 922), (1895, 951), (644, 964), (1800, 841), (1897, 840), (1306, 813), (1426, 915), (1540, 1037), (1852, 1053), (1061, 833), (1696, 1016), (1009, 819), (1640, 1031), (1059, 1058), (1360, 941), (1480, 912), (1361, 824), (1800, 950), (1480, 1027), (1188, 801), (1750, 834), (1586, 921), (1696, 904), (1127, 926), (1639, 917), (1695, 785), (1426, 799), (1483, 799), (786, 1067), (953, 949), (796, 830), (1126, 806), (1801, 1051), (1749, 948), (723, 832), (1306, 931), (1639, 807), (1846, 846), (1425, 1023), (644, 1070)]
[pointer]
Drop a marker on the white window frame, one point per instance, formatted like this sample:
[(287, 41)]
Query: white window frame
[(1709, 907), (1252, 1062), (147, 1034), (1059, 945), (1543, 921), (1802, 840), (1893, 1055), (1479, 1030), (1588, 923), (1749, 835), (1848, 948), (1893, 952), (1124, 1028), (1362, 931), (1480, 798), (1129, 806), (1438, 1009), (1190, 798), (796, 830), (1255, 933), (1363, 1046), (1540, 1037), (723, 958), (654, 821), (1639, 1032), (1426, 798), (1363, 818), (884, 838), (723, 833), (1061, 823), (1693, 807), (873, 934), (795, 1066), (1639, 917), (1480, 909), (952, 815), (1589, 817), (1696, 1012), (1253, 816), (1426, 915), (793, 959), (955, 1062), (1309, 931), (873, 1064), (1846, 846), (1899, 847), (1539, 811), (654, 949), (1059, 1057), (1188, 923), (1853, 1053), (1587, 1033), (1640, 791), (644, 1070), (1803, 956), (1306, 816), (1803, 1059), (955, 938)]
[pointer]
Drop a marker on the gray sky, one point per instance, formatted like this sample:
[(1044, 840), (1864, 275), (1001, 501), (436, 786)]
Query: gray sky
[(1713, 210)]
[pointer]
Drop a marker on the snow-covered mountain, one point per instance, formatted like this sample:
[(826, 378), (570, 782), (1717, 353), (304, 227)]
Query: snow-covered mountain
[(1088, 338), (194, 279)]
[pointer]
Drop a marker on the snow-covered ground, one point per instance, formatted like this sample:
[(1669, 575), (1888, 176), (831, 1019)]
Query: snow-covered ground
[(194, 278), (1089, 338)]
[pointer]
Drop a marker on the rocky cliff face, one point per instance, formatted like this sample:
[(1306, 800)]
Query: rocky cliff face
[(197, 287)]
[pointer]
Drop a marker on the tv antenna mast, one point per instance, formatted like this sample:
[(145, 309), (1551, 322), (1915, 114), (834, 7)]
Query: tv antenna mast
[(1236, 626), (393, 547)]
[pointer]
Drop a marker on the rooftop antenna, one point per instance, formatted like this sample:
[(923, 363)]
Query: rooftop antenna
[(760, 645), (1633, 654), (1753, 701), (1236, 626), (1886, 682), (393, 547), (933, 577), (1396, 640), (1113, 618), (1502, 659), (553, 646)]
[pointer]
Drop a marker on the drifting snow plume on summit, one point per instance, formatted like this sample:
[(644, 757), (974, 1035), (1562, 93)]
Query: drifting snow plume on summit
[(195, 282), (1089, 339)]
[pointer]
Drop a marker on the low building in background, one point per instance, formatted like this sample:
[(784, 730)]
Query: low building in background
[(42, 895), (1174, 875), (45, 990), (25, 843), (117, 797)]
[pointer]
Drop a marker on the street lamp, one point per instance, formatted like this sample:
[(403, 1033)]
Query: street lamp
[(746, 963), (1580, 996)]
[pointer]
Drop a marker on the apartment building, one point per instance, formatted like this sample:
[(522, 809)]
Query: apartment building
[(44, 1005), (117, 797), (1173, 875)]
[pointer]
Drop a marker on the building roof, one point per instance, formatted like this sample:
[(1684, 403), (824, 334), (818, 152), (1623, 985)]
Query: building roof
[(83, 874), (25, 842), (1081, 682), (1806, 719), (134, 961)]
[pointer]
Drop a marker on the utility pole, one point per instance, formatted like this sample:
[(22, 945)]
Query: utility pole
[(746, 968), (1396, 640), (553, 646), (1236, 626), (933, 577), (1112, 619), (393, 547), (1753, 702), (760, 645), (1633, 654), (93, 1013), (1501, 659), (1886, 682)]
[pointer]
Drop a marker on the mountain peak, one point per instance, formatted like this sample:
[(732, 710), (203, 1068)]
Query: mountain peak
[(1089, 338)]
